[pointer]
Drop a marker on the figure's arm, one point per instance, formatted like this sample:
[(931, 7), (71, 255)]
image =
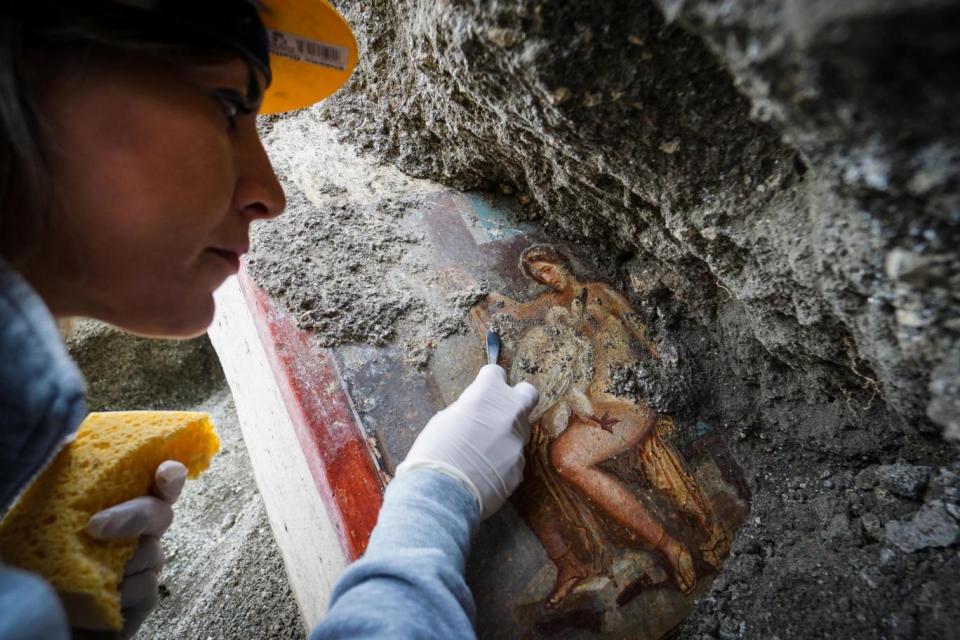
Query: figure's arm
[(500, 302), (479, 320), (531, 310), (621, 308)]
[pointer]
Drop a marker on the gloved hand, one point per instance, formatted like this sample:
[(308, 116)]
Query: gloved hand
[(147, 517), (479, 438)]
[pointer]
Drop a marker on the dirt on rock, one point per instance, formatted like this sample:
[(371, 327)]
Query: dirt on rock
[(343, 257), (758, 156)]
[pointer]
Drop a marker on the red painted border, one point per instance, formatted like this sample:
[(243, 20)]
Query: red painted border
[(330, 436)]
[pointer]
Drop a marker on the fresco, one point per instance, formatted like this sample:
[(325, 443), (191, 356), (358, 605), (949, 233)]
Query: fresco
[(568, 341), (625, 514)]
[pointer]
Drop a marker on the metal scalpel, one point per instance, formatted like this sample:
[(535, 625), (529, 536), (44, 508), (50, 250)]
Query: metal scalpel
[(493, 347)]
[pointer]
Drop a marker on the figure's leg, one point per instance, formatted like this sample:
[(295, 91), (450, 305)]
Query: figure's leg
[(582, 446), (540, 508), (570, 571), (545, 518)]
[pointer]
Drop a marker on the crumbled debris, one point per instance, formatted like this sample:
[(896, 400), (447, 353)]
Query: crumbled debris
[(932, 526), (907, 481)]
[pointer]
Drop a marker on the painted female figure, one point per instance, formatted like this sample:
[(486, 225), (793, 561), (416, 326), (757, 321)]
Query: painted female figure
[(582, 332)]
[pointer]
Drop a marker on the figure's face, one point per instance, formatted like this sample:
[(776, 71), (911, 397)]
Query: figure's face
[(553, 275), (157, 185)]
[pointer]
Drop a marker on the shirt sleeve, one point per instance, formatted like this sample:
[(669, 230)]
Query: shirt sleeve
[(29, 608), (410, 582)]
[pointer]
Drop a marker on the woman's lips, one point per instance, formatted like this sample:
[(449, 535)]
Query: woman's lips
[(232, 258)]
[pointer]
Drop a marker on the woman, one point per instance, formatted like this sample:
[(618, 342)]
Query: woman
[(130, 173)]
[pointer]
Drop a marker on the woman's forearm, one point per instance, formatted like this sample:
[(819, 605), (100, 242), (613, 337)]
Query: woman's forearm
[(410, 582)]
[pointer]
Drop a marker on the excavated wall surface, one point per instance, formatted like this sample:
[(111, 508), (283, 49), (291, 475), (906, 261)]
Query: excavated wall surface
[(778, 184)]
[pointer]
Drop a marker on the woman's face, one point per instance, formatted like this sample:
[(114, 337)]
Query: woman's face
[(550, 274), (157, 179)]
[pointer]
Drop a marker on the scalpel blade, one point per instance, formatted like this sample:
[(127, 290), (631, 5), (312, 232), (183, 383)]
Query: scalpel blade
[(493, 347)]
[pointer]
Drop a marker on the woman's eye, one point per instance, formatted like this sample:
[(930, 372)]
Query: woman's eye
[(232, 104)]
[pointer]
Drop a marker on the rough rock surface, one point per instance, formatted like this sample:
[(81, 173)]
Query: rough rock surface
[(931, 526), (778, 181), (343, 255), (905, 480)]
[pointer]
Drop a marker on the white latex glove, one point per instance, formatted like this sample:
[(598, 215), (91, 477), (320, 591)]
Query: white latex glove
[(147, 517), (479, 438)]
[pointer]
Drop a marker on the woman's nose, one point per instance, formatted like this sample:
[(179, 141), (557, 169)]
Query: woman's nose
[(259, 194)]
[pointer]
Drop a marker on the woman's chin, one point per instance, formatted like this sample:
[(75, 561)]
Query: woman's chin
[(184, 320), (194, 323)]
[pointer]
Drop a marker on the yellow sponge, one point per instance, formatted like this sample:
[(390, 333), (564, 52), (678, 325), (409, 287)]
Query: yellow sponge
[(112, 460)]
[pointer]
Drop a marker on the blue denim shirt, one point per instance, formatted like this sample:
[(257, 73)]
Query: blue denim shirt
[(409, 584), (41, 406), (41, 389)]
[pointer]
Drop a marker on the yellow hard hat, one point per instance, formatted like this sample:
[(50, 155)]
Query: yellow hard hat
[(312, 52), (304, 48)]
